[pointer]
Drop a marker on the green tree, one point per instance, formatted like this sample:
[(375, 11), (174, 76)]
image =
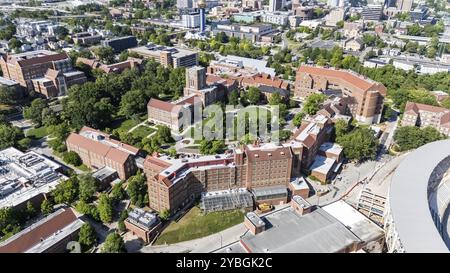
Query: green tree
[(9, 135), (105, 208), (46, 207), (360, 144), (88, 209), (233, 98), (34, 111), (49, 117), (8, 221), (121, 224), (209, 147), (137, 189), (313, 102), (253, 95), (87, 236), (14, 43), (446, 103), (118, 193), (30, 210), (297, 121), (87, 187), (113, 244), (67, 191), (411, 137), (164, 215), (72, 158), (105, 54), (275, 99), (8, 95), (341, 128), (164, 135), (132, 103), (24, 143)]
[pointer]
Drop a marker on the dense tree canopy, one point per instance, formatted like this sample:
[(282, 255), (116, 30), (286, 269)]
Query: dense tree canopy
[(137, 190), (34, 111), (210, 147), (87, 187), (87, 236), (105, 208), (113, 244), (313, 103), (67, 191), (411, 137), (360, 144), (9, 135)]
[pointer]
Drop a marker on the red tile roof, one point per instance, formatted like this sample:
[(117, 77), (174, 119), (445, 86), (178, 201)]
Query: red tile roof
[(162, 105), (264, 79), (131, 149), (42, 59), (416, 107), (262, 155), (347, 76), (42, 231), (104, 150)]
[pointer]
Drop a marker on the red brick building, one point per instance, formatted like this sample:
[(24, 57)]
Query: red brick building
[(176, 182), (368, 95), (422, 115), (98, 149), (26, 67)]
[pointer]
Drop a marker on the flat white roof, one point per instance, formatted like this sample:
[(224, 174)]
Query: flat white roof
[(258, 65), (25, 175), (331, 147), (322, 164), (360, 225)]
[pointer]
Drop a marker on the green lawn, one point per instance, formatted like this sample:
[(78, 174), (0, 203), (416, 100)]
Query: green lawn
[(192, 147), (142, 131), (84, 168), (123, 124), (5, 107), (37, 133), (195, 225)]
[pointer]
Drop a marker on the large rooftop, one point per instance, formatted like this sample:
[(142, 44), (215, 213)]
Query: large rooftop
[(409, 198), (43, 234), (25, 175), (248, 63), (153, 49), (315, 232)]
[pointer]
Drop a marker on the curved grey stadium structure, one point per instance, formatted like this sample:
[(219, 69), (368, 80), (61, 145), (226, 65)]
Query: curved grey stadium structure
[(418, 203)]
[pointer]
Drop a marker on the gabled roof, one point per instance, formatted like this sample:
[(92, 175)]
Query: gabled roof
[(162, 105), (42, 230), (110, 149), (268, 154), (413, 107), (42, 59), (347, 76)]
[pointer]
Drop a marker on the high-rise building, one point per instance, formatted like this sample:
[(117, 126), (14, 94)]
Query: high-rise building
[(201, 6), (191, 20), (185, 4), (372, 12), (336, 3), (404, 5), (275, 5)]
